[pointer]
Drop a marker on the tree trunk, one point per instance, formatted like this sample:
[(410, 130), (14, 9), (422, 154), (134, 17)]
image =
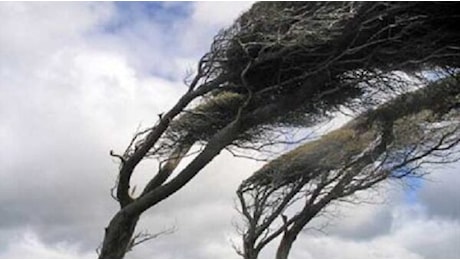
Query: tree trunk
[(285, 245), (251, 254), (290, 235), (118, 235), (249, 251)]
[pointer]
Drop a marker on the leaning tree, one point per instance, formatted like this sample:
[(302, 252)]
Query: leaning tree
[(390, 142), (281, 64)]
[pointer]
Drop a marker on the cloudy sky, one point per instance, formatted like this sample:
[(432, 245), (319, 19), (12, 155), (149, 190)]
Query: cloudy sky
[(77, 79)]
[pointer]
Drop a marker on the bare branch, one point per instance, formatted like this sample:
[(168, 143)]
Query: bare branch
[(143, 237)]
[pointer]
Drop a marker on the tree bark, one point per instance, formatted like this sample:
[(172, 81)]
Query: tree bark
[(249, 252), (118, 236), (285, 246), (290, 235)]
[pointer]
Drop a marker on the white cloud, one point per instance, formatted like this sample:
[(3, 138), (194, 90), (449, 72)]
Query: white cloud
[(218, 14), (30, 31), (206, 19)]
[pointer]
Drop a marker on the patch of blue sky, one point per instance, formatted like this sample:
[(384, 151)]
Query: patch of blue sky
[(149, 34), (412, 185), (161, 13), (435, 74)]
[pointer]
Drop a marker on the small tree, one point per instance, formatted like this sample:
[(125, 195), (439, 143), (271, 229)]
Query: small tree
[(390, 142), (280, 64)]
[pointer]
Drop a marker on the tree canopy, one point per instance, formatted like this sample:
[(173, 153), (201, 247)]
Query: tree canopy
[(304, 60), (390, 142)]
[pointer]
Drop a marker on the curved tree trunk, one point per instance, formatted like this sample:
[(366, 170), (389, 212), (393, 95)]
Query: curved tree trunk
[(118, 235)]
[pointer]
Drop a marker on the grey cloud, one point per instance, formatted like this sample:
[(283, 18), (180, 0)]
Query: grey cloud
[(440, 193), (369, 226), (420, 237)]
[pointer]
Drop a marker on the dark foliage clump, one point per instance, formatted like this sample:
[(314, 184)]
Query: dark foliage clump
[(272, 52)]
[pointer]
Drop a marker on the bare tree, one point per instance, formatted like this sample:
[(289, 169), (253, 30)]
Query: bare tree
[(390, 142), (280, 64)]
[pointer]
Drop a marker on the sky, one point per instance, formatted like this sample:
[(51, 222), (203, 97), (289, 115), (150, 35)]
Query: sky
[(78, 78)]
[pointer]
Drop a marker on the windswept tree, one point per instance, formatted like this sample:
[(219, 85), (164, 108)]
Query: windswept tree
[(390, 142), (281, 64)]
